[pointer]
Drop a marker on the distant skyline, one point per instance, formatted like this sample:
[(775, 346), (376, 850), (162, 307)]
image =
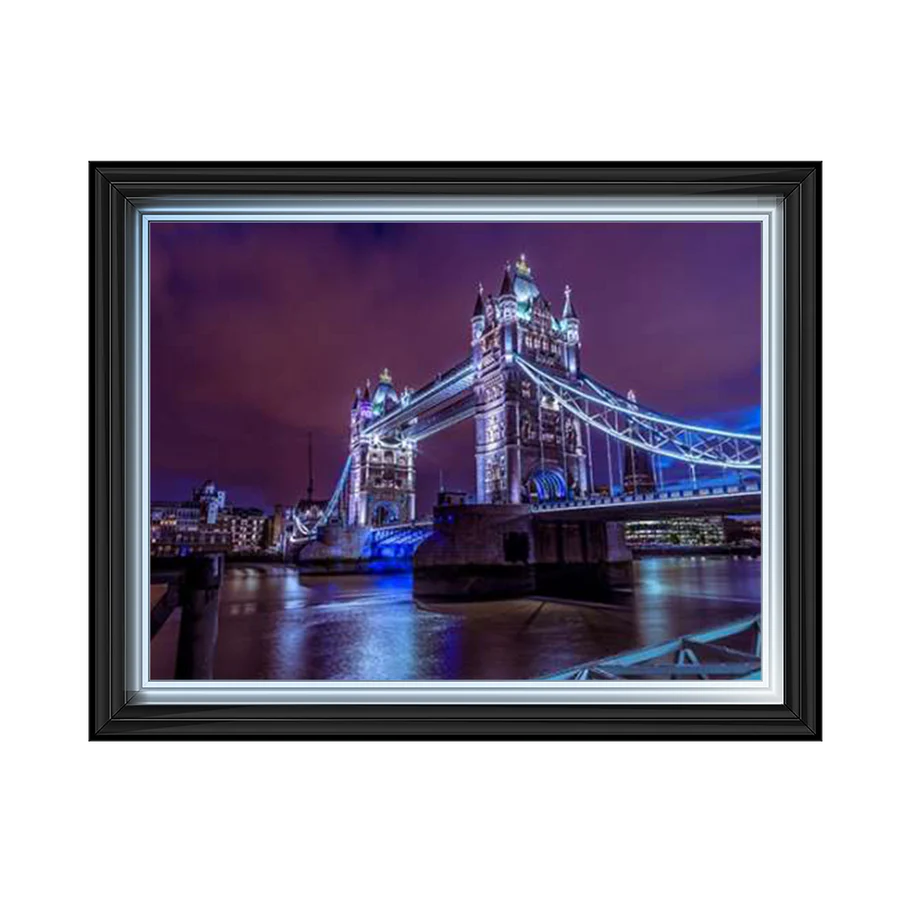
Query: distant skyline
[(260, 333)]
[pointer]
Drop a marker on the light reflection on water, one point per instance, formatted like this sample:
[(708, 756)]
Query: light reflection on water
[(274, 624)]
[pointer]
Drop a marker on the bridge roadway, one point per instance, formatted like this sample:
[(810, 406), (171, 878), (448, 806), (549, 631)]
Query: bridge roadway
[(717, 501)]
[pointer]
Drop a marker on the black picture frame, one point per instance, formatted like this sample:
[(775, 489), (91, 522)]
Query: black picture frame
[(116, 189)]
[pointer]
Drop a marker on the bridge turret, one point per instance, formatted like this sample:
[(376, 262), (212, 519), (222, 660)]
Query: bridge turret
[(478, 321), (478, 316), (365, 403), (569, 325), (507, 305), (478, 312), (506, 286)]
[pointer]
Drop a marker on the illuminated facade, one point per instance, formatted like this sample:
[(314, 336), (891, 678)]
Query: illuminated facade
[(382, 477), (179, 528), (744, 530), (210, 501), (205, 524), (189, 526), (246, 528), (683, 531), (527, 447), (276, 527)]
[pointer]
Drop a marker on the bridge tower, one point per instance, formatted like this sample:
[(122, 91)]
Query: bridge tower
[(382, 479), (526, 445)]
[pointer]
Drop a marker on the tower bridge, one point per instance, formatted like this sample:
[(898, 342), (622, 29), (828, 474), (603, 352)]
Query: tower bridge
[(538, 416)]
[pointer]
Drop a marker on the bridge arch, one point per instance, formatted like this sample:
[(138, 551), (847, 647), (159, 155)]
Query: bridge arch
[(546, 484), (385, 512)]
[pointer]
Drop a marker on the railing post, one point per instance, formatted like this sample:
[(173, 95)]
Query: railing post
[(199, 617)]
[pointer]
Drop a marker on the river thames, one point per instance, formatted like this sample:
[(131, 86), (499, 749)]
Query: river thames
[(277, 625)]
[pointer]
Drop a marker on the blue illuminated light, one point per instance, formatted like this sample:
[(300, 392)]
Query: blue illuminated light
[(550, 484)]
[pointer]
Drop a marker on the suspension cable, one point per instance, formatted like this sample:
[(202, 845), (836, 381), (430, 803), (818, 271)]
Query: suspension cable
[(612, 401), (685, 447)]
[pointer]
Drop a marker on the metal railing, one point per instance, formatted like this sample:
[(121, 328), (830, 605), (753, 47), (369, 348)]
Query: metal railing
[(705, 656), (650, 497)]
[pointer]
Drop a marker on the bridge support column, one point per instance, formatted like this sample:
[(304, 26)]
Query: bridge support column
[(581, 559), (476, 553), (338, 551), (199, 600), (619, 558)]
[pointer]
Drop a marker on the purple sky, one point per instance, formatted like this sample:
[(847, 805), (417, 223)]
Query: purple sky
[(261, 332)]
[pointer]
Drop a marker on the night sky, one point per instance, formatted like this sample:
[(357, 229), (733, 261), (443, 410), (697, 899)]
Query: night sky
[(261, 332)]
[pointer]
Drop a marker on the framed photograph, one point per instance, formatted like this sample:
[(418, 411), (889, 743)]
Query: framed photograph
[(466, 451)]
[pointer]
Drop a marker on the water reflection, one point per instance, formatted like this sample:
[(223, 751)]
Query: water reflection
[(274, 624)]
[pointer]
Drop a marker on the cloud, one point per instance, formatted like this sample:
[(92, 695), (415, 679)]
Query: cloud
[(261, 332)]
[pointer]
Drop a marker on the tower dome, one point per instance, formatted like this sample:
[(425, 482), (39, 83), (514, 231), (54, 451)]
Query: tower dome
[(385, 397), (523, 285), (520, 284)]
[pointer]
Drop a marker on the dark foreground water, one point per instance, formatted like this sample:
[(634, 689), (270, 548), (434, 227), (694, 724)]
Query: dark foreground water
[(275, 624)]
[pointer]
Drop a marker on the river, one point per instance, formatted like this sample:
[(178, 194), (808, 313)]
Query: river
[(277, 625)]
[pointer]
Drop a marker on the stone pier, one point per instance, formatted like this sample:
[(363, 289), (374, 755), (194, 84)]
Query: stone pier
[(502, 550), (338, 550), (582, 560)]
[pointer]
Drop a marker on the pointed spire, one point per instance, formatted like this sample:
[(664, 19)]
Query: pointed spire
[(569, 309), (367, 396), (309, 463), (506, 287), (356, 397), (479, 303)]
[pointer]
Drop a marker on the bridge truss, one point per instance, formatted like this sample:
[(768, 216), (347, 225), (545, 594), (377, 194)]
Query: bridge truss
[(440, 404), (449, 399), (625, 421)]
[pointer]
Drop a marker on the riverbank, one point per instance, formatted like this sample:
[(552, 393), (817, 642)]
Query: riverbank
[(668, 550)]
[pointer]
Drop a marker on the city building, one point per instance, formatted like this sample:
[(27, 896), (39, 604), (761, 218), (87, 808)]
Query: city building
[(275, 527), (746, 530), (684, 531), (246, 527), (189, 526), (174, 515), (210, 501), (205, 524), (179, 528)]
